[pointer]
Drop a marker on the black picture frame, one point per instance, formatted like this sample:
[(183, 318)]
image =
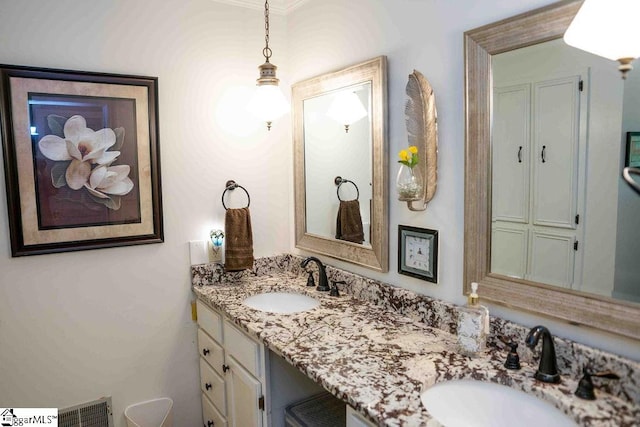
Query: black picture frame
[(418, 252), (102, 190), (632, 150)]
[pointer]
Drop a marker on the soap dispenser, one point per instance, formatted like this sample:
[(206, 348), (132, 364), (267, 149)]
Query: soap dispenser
[(473, 325)]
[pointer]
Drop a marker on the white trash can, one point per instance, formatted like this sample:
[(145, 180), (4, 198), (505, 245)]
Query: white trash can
[(152, 413)]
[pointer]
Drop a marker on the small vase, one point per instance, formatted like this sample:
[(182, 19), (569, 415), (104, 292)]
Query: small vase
[(409, 184)]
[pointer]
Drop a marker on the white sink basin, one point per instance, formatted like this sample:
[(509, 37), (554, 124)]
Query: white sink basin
[(281, 302), (469, 403)]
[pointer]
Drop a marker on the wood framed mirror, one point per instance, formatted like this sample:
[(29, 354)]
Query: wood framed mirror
[(526, 292), (329, 150)]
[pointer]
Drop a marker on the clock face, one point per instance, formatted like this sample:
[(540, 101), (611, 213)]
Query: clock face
[(417, 252)]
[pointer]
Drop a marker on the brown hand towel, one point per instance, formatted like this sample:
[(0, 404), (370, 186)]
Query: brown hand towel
[(238, 240), (349, 222)]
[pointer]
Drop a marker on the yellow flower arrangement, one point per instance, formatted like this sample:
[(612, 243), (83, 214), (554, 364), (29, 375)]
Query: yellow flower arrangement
[(409, 157)]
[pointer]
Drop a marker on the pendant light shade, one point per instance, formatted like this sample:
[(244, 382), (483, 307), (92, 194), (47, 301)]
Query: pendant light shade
[(608, 28), (346, 108), (268, 102)]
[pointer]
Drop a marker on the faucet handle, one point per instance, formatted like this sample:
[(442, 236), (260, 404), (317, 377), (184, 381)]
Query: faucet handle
[(334, 288), (585, 385), (310, 279), (513, 359)]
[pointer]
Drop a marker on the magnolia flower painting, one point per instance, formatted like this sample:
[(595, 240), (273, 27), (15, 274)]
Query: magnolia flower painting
[(82, 160), (85, 160)]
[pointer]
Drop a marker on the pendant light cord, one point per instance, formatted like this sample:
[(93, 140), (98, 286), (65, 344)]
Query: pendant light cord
[(267, 50)]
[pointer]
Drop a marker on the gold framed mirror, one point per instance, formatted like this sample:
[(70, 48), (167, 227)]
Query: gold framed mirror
[(334, 146), (576, 306)]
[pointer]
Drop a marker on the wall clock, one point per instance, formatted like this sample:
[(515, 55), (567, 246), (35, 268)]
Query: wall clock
[(418, 253)]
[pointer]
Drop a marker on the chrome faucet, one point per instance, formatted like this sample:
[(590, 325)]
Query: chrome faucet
[(323, 283), (548, 369)]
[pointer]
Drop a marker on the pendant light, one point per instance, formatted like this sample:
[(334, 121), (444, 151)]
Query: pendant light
[(607, 28), (268, 103)]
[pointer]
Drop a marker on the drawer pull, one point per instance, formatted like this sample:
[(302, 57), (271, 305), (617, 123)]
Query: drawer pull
[(225, 368), (207, 386), (205, 351)]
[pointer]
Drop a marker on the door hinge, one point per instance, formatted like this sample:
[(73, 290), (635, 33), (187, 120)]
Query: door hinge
[(575, 245), (261, 403), (581, 85), (578, 219)]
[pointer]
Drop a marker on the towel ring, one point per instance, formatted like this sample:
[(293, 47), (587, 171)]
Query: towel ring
[(338, 180), (230, 186)]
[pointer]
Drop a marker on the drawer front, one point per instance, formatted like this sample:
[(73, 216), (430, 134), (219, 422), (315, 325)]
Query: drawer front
[(210, 414), (212, 386), (210, 321), (243, 349), (210, 351)]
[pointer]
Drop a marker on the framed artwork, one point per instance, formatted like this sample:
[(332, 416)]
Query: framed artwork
[(82, 160), (632, 156), (418, 253)]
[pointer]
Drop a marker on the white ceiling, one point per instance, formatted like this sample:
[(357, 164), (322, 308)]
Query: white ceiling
[(281, 7)]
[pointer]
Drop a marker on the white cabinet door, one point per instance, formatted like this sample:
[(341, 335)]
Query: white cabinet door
[(243, 395), (556, 135), (510, 152), (244, 349), (509, 247), (552, 258)]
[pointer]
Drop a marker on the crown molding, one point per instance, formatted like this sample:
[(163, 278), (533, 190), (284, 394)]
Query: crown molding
[(278, 7)]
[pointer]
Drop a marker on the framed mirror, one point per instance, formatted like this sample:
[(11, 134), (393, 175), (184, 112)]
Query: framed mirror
[(340, 164), (540, 239)]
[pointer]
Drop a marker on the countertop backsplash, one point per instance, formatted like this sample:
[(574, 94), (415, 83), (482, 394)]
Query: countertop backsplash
[(571, 356)]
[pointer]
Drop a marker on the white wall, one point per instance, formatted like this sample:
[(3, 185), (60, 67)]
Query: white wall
[(427, 36), (77, 326)]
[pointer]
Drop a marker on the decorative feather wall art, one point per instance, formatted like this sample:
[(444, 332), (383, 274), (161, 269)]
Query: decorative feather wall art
[(422, 131)]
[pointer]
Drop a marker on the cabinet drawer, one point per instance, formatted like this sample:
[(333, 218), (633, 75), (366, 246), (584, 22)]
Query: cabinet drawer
[(212, 386), (210, 351), (242, 348), (210, 414), (210, 321)]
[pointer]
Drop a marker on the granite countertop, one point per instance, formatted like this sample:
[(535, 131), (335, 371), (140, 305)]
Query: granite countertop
[(379, 360)]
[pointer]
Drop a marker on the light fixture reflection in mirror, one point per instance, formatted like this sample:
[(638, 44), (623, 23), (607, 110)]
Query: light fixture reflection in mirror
[(346, 108), (607, 28)]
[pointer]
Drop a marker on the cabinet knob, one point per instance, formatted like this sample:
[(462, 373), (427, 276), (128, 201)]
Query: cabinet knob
[(210, 423), (225, 368), (205, 351), (207, 386)]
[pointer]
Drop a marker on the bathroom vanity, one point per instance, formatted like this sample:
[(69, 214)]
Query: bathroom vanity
[(375, 347)]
